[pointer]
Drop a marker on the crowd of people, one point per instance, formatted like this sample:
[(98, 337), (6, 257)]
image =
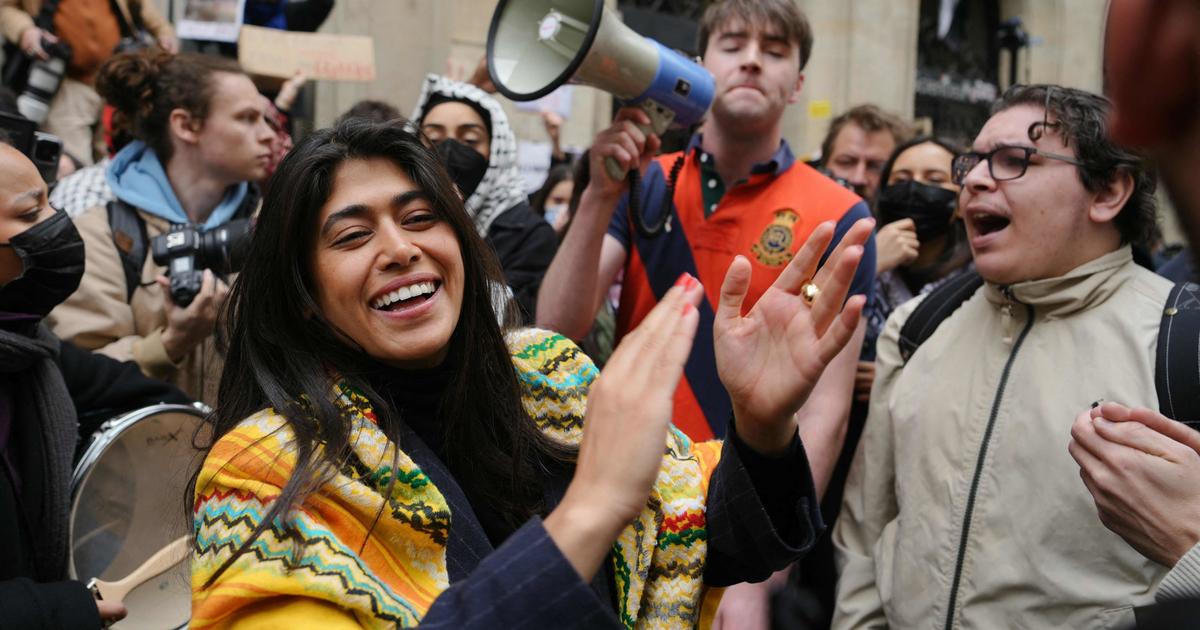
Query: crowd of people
[(909, 382)]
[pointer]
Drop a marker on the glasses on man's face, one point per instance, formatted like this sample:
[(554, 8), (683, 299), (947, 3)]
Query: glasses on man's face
[(1004, 163)]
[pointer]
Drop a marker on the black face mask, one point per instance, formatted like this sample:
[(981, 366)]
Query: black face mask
[(52, 255), (930, 207), (467, 167)]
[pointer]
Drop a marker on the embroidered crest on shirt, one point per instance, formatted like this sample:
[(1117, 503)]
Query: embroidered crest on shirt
[(774, 246)]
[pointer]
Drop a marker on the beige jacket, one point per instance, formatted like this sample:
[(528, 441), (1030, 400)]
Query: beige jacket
[(963, 465), (17, 15), (98, 317)]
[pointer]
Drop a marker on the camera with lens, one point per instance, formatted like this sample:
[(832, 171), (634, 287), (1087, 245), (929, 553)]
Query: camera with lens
[(187, 251), (41, 148), (45, 77)]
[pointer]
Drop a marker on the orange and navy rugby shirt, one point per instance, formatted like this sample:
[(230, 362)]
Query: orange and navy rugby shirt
[(765, 218)]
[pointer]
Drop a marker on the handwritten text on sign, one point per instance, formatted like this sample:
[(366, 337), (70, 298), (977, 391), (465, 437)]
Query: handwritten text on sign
[(275, 53)]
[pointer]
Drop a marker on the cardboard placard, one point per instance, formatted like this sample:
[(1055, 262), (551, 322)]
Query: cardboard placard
[(274, 53)]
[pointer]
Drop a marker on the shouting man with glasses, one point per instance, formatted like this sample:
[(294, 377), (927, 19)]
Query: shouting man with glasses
[(963, 507)]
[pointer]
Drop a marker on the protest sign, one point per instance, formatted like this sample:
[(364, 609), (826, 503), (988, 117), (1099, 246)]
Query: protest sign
[(274, 53)]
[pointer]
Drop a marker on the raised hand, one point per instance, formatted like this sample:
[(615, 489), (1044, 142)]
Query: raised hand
[(770, 359), (625, 432)]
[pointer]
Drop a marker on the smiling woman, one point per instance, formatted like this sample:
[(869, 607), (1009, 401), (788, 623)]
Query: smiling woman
[(377, 218), (387, 454)]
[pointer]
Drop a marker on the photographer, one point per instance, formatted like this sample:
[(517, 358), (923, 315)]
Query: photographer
[(88, 31), (201, 138)]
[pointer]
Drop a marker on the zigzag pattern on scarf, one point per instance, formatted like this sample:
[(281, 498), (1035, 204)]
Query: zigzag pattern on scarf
[(331, 570), (389, 571)]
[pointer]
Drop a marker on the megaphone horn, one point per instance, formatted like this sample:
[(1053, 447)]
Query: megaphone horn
[(535, 46)]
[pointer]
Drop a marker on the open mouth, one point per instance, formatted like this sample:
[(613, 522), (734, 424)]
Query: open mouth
[(406, 296), (986, 223)]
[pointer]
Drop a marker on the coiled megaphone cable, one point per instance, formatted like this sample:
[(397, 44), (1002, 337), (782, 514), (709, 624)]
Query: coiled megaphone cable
[(663, 224)]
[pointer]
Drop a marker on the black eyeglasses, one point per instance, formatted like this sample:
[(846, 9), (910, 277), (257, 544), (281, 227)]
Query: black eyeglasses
[(1004, 163)]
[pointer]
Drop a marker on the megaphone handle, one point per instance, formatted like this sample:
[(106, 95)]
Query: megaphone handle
[(660, 121)]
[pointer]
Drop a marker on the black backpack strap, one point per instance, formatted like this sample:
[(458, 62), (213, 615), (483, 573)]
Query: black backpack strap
[(934, 309), (1177, 361), (129, 235)]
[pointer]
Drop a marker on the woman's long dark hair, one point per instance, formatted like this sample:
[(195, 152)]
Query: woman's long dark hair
[(281, 350)]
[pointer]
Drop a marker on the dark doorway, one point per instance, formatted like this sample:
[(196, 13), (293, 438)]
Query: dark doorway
[(957, 65)]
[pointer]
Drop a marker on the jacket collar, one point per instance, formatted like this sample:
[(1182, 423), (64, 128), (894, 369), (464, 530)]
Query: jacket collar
[(1080, 289), (780, 161)]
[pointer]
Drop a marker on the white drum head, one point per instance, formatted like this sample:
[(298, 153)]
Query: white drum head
[(128, 503)]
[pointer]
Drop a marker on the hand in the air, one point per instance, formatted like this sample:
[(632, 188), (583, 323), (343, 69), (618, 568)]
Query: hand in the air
[(625, 433), (770, 359)]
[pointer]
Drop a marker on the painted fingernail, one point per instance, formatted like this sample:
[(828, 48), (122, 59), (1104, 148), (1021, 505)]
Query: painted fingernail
[(692, 283), (687, 308), (683, 278)]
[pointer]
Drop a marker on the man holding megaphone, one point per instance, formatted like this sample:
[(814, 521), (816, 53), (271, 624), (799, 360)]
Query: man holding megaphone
[(735, 199), (739, 198)]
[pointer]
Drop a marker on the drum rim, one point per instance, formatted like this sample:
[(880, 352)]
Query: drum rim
[(104, 436), (108, 431)]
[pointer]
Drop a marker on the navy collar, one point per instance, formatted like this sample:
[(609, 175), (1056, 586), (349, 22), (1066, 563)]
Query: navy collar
[(781, 161)]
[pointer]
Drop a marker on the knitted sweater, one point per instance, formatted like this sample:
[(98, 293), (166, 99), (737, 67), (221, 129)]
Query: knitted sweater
[(357, 566)]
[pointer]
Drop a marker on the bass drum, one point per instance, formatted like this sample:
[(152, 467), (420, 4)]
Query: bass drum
[(127, 502)]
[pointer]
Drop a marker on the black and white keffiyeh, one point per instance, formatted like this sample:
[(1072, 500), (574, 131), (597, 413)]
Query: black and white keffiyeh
[(82, 190), (502, 186)]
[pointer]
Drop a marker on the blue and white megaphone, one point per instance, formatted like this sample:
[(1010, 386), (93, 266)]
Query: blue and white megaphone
[(534, 46)]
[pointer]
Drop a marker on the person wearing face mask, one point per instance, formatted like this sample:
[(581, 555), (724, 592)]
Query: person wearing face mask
[(553, 199), (921, 241), (46, 387), (471, 132), (919, 245)]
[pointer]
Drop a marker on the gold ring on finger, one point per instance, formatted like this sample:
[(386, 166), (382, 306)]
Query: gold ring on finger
[(809, 292)]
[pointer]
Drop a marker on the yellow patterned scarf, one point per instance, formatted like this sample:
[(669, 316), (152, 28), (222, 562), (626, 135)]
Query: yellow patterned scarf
[(388, 571)]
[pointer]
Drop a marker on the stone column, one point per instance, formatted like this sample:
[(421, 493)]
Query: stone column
[(864, 51)]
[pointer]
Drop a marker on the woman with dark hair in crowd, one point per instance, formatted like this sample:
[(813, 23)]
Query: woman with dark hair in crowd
[(387, 454), (201, 139), (921, 240), (553, 199), (920, 243)]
